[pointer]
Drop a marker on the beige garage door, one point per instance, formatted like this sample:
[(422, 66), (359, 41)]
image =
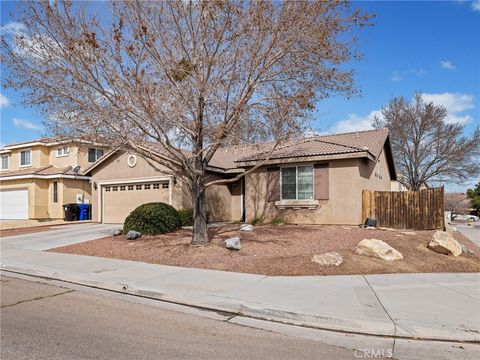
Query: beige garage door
[(119, 200)]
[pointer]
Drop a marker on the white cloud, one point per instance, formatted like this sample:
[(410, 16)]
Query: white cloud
[(13, 28), (446, 64), (355, 122), (455, 103), (476, 5), (25, 124), (400, 75), (4, 102)]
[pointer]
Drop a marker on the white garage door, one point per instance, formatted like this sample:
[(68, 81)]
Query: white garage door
[(14, 204), (120, 200)]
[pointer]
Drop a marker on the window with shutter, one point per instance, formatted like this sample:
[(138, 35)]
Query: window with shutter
[(321, 181), (273, 184)]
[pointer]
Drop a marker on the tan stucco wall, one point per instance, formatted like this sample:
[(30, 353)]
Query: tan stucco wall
[(376, 176), (22, 184), (117, 168), (347, 179), (40, 195), (63, 161), (37, 195), (343, 206), (41, 198), (221, 206), (47, 155), (219, 200), (39, 158)]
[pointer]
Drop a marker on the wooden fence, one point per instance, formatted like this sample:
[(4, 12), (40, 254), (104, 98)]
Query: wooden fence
[(419, 210)]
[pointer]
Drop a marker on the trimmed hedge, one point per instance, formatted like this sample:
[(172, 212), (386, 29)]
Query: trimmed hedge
[(186, 215), (153, 219)]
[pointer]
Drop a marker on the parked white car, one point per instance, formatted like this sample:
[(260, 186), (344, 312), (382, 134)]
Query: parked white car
[(464, 217)]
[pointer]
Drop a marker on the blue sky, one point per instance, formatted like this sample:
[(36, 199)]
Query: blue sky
[(427, 46)]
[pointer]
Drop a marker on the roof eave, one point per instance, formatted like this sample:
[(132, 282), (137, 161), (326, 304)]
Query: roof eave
[(298, 159), (224, 171), (389, 155), (36, 176)]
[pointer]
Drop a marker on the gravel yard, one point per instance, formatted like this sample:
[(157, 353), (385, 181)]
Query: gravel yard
[(284, 250)]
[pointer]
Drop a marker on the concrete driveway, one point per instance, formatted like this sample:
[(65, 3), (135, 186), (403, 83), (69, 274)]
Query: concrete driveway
[(59, 236)]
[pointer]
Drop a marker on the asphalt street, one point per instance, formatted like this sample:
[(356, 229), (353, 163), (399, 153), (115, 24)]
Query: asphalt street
[(40, 321)]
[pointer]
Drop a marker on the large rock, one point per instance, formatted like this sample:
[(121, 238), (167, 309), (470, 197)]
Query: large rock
[(328, 259), (379, 249), (117, 232), (443, 243), (133, 235), (246, 227), (232, 243)]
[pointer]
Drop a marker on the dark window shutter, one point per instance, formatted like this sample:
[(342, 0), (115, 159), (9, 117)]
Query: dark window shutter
[(321, 181), (273, 184)]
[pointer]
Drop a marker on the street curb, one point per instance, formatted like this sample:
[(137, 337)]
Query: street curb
[(241, 308)]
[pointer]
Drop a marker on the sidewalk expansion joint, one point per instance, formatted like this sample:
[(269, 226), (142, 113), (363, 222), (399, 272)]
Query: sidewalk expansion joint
[(386, 312)]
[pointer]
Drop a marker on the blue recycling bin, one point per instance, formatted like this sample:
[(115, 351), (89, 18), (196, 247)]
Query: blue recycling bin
[(84, 211)]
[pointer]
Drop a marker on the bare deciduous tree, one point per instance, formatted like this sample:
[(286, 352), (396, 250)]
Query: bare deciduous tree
[(195, 75), (426, 149)]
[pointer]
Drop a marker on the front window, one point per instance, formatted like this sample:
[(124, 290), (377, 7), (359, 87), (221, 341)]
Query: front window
[(62, 151), (94, 154), (5, 162), (55, 192), (26, 158), (297, 183)]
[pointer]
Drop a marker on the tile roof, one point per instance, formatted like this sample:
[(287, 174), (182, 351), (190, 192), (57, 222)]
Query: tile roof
[(42, 171), (228, 157), (371, 141), (44, 140)]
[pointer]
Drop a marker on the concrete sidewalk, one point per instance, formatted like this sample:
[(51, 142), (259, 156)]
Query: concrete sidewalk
[(426, 306)]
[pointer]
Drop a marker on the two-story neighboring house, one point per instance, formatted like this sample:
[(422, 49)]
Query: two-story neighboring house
[(39, 176)]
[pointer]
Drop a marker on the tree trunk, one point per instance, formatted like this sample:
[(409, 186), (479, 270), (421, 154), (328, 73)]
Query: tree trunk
[(200, 235)]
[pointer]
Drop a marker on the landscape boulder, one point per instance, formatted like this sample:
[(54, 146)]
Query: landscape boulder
[(133, 235), (379, 249), (117, 232), (443, 243), (232, 243), (246, 227), (328, 259)]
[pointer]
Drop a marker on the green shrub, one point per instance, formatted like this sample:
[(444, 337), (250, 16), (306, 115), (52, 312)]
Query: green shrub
[(186, 216), (256, 221), (277, 221), (153, 219)]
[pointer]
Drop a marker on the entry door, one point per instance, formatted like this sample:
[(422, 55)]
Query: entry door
[(14, 204)]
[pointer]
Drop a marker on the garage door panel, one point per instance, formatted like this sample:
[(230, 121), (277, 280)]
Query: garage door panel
[(14, 204), (120, 200)]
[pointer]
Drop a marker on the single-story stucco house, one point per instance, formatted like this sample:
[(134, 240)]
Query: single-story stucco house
[(314, 180)]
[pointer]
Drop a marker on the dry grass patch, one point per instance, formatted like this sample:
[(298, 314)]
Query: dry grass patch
[(283, 250)]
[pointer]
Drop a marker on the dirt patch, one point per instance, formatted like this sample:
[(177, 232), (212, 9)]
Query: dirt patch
[(23, 231), (283, 250)]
